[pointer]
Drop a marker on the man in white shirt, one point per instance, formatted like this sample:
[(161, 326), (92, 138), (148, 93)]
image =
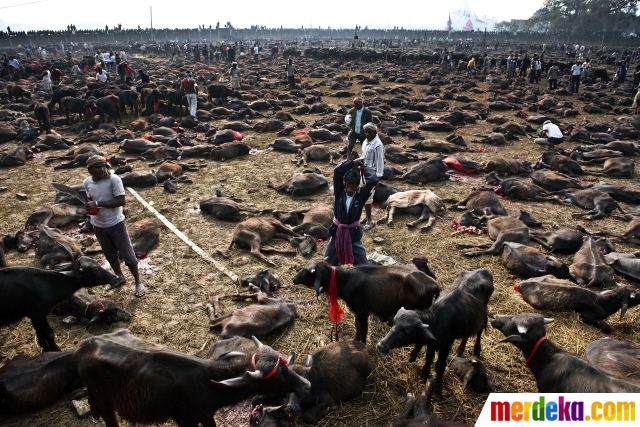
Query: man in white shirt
[(256, 51), (551, 135), (108, 196), (101, 75), (576, 72), (373, 156)]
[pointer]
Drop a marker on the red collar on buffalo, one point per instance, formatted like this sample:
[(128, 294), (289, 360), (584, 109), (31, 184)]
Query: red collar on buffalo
[(275, 368), (535, 348)]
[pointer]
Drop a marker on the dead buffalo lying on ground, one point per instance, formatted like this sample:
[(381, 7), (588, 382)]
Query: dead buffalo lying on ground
[(482, 201), (224, 208), (318, 153), (416, 202), (31, 383), (267, 315), (589, 267), (503, 167), (433, 170), (78, 156), (520, 190), (552, 294), (315, 220), (16, 157), (303, 183), (526, 262), (264, 281), (228, 151), (144, 235), (57, 216), (502, 229), (84, 305), (599, 203), (254, 233), (55, 248), (554, 181), (619, 359), (138, 146), (618, 167), (397, 154)]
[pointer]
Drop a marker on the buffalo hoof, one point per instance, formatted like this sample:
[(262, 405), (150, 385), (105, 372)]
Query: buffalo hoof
[(390, 224), (410, 225), (470, 254)]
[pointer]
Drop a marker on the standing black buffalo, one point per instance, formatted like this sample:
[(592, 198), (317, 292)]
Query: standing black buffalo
[(222, 92)]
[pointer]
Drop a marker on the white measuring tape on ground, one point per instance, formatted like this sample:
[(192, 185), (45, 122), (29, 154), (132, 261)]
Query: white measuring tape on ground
[(183, 237)]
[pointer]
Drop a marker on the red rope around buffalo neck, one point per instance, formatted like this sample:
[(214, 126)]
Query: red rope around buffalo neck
[(535, 348), (335, 311), (275, 368)]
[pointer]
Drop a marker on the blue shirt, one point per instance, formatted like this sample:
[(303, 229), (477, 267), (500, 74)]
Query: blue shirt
[(359, 119)]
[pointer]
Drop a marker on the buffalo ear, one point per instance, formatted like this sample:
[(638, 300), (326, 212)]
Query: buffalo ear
[(428, 336), (230, 354)]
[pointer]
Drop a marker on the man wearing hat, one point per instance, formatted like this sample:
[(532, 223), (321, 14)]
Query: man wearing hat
[(190, 87), (373, 157), (357, 117), (550, 135), (235, 75), (108, 197)]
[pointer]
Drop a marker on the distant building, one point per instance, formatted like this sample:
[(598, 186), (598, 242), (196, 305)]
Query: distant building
[(464, 19)]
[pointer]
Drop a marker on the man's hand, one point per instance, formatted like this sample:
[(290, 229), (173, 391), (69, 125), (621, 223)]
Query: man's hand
[(358, 162), (91, 205)]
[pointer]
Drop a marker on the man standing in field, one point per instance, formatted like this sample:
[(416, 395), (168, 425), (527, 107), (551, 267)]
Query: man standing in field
[(108, 196)]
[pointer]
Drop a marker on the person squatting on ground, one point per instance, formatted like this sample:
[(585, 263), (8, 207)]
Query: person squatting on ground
[(356, 118), (107, 194), (550, 135), (235, 75), (373, 156), (345, 243), (190, 87)]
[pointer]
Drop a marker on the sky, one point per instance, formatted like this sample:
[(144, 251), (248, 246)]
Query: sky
[(24, 15)]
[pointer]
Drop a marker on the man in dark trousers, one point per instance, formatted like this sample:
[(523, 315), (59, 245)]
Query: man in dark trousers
[(345, 245), (356, 118), (108, 196)]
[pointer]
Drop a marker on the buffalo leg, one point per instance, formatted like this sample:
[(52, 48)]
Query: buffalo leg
[(424, 216), (415, 352), (392, 210), (426, 369), (441, 364), (318, 411), (3, 261), (408, 408), (45, 335), (461, 347), (255, 251), (590, 319), (541, 242), (270, 250), (477, 346), (362, 327)]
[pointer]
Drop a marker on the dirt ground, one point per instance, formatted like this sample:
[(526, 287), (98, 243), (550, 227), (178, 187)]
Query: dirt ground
[(180, 283)]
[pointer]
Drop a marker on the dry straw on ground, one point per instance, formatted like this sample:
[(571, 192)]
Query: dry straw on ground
[(173, 311)]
